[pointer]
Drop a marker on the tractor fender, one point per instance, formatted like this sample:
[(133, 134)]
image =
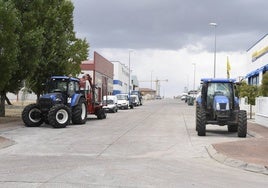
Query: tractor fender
[(75, 99)]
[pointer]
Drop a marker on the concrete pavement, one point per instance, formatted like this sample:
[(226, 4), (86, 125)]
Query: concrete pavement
[(249, 154)]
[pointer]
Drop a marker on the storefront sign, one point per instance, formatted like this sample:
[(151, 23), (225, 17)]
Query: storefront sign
[(258, 54)]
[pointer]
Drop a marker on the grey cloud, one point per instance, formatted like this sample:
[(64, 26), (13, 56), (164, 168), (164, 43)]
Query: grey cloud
[(170, 24)]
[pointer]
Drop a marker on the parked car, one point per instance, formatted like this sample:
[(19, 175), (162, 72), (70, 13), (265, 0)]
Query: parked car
[(110, 103), (138, 93), (122, 101), (158, 97), (135, 100)]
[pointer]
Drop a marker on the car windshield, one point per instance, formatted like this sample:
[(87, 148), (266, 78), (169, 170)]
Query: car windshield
[(108, 102), (122, 97)]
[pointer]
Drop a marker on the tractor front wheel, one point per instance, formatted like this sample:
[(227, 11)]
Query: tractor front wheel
[(201, 122), (32, 116), (59, 116), (232, 128), (242, 123)]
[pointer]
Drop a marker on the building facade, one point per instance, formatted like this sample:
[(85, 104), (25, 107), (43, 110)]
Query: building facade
[(121, 78), (257, 66), (101, 70), (257, 58)]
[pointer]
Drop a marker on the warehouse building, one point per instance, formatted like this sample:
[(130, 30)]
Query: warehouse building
[(257, 58), (101, 70)]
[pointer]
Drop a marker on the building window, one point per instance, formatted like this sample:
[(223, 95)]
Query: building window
[(254, 80)]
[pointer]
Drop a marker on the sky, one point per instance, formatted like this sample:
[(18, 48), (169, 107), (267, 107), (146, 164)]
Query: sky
[(172, 39)]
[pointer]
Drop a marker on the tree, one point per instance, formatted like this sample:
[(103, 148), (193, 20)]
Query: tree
[(61, 52), (30, 42), (9, 24), (249, 91), (264, 86)]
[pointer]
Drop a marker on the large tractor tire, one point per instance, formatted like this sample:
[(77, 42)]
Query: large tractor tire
[(59, 116), (101, 114), (232, 128), (242, 123), (79, 112), (197, 108), (32, 116), (201, 122)]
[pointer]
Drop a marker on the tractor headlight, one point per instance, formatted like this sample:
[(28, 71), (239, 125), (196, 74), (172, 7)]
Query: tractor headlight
[(218, 106), (58, 99), (227, 106)]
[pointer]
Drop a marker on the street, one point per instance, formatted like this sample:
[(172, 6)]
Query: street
[(154, 145)]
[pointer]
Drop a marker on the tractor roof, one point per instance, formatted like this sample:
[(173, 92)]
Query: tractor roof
[(218, 80), (65, 78)]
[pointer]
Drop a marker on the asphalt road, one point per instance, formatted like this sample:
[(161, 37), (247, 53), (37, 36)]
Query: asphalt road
[(154, 145)]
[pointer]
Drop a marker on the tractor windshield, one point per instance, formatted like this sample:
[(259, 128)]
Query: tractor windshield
[(219, 89), (57, 85)]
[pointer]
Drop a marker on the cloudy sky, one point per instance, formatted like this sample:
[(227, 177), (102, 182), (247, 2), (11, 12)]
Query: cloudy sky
[(169, 39)]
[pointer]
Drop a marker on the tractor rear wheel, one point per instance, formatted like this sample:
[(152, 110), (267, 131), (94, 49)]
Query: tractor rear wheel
[(201, 122), (242, 123), (32, 115), (79, 112), (101, 114), (59, 116)]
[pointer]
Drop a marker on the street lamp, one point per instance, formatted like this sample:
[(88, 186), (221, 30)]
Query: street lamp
[(129, 71), (194, 75), (151, 80), (214, 25)]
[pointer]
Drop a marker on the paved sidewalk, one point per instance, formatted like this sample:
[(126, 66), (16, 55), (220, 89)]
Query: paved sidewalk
[(4, 142), (249, 154)]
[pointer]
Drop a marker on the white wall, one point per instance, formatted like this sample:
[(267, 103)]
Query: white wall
[(261, 116), (245, 106)]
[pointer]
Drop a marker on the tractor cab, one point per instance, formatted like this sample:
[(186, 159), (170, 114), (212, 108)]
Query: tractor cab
[(62, 88), (219, 97)]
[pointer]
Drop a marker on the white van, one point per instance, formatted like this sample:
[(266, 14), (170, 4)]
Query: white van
[(135, 100), (110, 103), (122, 101)]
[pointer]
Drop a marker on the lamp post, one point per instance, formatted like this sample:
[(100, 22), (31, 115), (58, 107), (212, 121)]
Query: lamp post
[(129, 71), (214, 25), (194, 75), (151, 80)]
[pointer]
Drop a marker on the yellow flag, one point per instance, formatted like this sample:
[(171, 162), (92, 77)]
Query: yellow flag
[(228, 67)]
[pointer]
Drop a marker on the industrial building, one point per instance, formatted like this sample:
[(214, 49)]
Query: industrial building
[(257, 58), (102, 71)]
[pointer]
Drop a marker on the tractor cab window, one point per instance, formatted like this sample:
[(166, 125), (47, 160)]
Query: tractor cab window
[(57, 85), (215, 89), (72, 88), (218, 89)]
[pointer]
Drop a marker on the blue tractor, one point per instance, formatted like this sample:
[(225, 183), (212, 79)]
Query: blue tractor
[(218, 105), (63, 103)]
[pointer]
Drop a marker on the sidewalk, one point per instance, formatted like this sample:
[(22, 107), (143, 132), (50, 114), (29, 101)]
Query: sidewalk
[(249, 154), (14, 124)]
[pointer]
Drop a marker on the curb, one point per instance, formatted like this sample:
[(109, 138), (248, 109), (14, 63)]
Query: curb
[(214, 154)]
